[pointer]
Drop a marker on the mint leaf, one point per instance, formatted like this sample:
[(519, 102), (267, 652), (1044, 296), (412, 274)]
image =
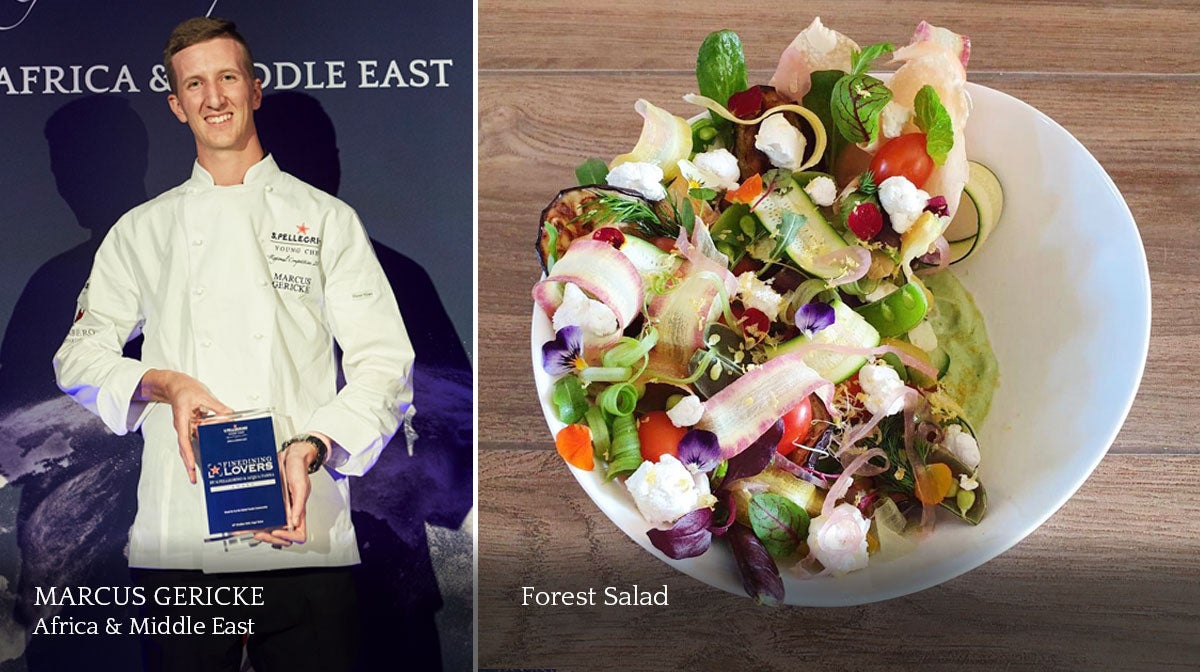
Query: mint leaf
[(860, 61), (934, 121), (857, 102), (703, 194), (592, 171), (779, 523)]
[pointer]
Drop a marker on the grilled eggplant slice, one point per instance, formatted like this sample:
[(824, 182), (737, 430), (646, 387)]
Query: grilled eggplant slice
[(563, 215)]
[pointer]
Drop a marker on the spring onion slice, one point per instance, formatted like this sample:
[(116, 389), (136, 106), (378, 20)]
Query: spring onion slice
[(626, 450), (813, 120), (744, 410), (628, 351), (605, 374), (601, 443), (619, 399)]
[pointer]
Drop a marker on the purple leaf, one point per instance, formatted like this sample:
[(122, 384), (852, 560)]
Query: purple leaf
[(760, 575), (688, 538), (563, 353), (756, 457), (701, 448), (813, 317)]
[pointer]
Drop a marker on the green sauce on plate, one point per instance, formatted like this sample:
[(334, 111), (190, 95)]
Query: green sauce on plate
[(973, 373)]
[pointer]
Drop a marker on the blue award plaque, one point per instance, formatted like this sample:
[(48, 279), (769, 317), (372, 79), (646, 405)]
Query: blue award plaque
[(242, 486)]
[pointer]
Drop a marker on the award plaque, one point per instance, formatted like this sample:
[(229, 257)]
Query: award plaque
[(236, 455)]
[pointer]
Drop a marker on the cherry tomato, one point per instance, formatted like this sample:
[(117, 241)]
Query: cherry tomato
[(658, 435), (905, 156), (796, 425)]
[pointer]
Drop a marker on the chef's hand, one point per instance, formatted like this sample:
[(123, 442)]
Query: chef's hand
[(294, 463), (190, 402)]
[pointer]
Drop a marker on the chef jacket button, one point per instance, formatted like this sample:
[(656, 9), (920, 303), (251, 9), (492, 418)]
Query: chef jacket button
[(258, 335), (255, 397), (262, 283), (268, 188), (199, 291), (205, 343), (197, 242)]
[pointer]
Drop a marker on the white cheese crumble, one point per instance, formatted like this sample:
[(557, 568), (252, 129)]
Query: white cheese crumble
[(822, 190), (903, 201), (781, 142), (892, 119), (755, 293), (590, 315), (686, 412), (716, 169), (963, 446), (666, 491), (644, 178), (839, 540), (882, 385)]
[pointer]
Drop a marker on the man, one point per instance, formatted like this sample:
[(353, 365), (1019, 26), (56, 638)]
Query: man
[(240, 279)]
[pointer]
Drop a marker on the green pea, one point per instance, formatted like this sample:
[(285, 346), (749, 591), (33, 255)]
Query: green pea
[(897, 312)]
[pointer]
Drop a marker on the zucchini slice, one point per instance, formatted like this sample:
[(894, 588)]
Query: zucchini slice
[(848, 328), (815, 239), (977, 215)]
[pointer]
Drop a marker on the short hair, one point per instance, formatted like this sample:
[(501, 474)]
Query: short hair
[(202, 29)]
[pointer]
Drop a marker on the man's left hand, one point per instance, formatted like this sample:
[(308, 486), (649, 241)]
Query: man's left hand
[(295, 460)]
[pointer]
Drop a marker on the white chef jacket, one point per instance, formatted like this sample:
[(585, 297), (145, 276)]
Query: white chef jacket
[(245, 288)]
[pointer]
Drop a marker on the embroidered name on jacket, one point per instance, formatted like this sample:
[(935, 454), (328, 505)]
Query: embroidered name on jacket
[(294, 258)]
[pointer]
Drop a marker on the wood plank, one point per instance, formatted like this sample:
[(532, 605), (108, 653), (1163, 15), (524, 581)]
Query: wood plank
[(1090, 589), (1131, 36), (536, 127)]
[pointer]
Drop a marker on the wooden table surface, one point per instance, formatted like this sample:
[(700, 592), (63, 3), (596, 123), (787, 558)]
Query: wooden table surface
[(1112, 581)]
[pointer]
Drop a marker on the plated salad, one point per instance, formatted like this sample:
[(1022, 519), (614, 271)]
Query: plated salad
[(757, 334)]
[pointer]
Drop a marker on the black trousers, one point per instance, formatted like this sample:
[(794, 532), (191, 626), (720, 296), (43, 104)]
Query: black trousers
[(308, 620)]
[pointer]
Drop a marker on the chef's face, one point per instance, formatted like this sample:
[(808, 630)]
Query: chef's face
[(216, 96)]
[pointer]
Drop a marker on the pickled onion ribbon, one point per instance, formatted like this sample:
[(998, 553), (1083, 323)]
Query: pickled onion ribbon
[(600, 270), (928, 511), (855, 259), (842, 485), (939, 258), (803, 473), (813, 120), (748, 406)]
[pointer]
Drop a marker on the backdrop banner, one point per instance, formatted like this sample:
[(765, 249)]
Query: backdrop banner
[(366, 99)]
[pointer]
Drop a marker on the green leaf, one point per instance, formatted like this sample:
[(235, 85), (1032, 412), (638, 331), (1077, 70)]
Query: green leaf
[(721, 66), (857, 102), (592, 171), (860, 61), (934, 121), (703, 194), (570, 401), (787, 232), (552, 245), (866, 183), (779, 523), (819, 100)]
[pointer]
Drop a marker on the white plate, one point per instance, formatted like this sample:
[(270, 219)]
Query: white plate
[(1065, 292)]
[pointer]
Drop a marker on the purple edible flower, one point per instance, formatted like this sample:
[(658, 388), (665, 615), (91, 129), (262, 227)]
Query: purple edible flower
[(565, 353), (700, 447), (813, 317), (938, 206)]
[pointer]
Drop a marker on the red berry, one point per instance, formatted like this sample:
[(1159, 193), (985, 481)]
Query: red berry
[(746, 104), (610, 235), (865, 220)]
